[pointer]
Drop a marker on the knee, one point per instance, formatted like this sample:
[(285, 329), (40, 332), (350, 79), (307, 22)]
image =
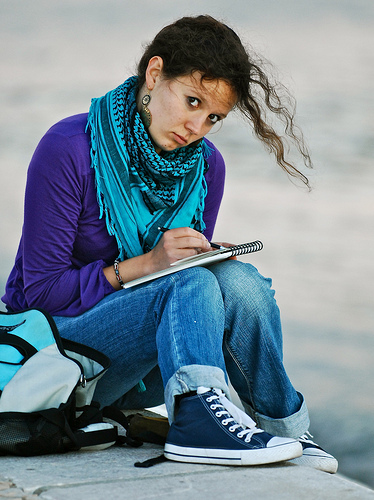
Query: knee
[(243, 282), (195, 282)]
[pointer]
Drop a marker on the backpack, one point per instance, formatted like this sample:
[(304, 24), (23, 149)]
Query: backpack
[(46, 389)]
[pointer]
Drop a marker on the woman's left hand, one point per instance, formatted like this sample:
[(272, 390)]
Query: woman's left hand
[(227, 245)]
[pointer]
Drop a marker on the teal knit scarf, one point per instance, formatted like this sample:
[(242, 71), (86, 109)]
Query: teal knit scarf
[(138, 190)]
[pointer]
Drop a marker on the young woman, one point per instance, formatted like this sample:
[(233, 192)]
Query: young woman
[(98, 189)]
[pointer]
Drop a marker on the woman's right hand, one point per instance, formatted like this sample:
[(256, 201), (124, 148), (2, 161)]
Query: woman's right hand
[(175, 244)]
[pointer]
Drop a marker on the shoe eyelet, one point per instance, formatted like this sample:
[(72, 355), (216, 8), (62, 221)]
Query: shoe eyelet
[(225, 422), (213, 407), (232, 429)]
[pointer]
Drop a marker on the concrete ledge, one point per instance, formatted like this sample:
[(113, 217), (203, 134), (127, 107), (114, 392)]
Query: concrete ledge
[(111, 474)]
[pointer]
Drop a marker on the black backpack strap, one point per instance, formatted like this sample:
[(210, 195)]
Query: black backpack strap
[(151, 462), (92, 414), (58, 418), (88, 414), (116, 415), (23, 347), (83, 436), (98, 437)]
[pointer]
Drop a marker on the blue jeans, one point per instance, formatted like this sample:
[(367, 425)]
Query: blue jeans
[(194, 328)]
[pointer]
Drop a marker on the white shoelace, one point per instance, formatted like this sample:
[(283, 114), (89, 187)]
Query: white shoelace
[(235, 415), (307, 438)]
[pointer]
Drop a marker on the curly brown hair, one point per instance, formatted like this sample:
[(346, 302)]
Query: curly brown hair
[(210, 47)]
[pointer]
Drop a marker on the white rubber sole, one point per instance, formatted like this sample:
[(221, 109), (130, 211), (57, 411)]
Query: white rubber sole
[(286, 450), (319, 460)]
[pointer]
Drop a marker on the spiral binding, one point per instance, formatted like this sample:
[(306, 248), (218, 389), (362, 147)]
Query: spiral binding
[(254, 246)]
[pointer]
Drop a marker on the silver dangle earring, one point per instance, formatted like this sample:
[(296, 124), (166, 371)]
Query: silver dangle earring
[(145, 113)]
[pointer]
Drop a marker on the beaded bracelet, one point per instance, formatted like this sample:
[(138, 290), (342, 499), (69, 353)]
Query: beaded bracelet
[(118, 276)]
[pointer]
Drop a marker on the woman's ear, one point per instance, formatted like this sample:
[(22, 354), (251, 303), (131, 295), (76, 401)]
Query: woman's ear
[(153, 71)]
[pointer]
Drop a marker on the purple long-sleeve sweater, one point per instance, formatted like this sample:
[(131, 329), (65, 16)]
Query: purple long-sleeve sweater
[(64, 245)]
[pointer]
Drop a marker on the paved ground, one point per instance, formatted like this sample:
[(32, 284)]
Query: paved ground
[(111, 474)]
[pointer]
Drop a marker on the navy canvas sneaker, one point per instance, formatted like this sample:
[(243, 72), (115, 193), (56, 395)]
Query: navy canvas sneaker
[(209, 429), (315, 456)]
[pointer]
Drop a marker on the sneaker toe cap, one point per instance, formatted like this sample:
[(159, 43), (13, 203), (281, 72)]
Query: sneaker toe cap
[(318, 459), (282, 441)]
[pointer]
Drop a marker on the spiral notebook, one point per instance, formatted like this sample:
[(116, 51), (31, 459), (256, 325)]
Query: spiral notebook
[(202, 259)]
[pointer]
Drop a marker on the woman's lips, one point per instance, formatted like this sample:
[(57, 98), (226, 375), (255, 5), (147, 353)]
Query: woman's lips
[(180, 139)]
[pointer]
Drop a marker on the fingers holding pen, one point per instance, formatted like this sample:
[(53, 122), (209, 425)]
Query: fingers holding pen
[(185, 239), (177, 244)]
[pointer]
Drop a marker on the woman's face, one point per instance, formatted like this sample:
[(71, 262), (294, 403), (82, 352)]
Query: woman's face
[(184, 110)]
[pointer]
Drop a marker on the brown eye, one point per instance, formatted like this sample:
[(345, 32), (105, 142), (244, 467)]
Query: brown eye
[(193, 101), (214, 119)]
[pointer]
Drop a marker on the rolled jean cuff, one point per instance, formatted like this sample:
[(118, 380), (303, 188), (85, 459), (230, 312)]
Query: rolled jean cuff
[(293, 426), (189, 378)]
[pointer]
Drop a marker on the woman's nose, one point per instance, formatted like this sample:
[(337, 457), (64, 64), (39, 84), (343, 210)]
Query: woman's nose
[(196, 125)]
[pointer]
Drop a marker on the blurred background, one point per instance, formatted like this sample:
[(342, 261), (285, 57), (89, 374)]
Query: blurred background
[(318, 247)]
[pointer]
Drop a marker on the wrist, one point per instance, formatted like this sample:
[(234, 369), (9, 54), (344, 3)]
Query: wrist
[(117, 273), (149, 266)]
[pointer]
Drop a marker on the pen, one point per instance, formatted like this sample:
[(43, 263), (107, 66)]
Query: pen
[(213, 245)]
